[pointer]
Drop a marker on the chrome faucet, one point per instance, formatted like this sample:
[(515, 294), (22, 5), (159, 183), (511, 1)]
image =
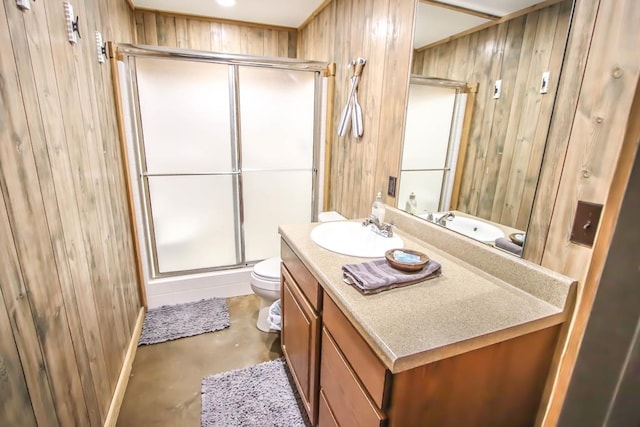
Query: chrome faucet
[(382, 229), (449, 216)]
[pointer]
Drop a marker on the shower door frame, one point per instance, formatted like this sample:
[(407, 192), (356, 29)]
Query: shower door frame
[(129, 52)]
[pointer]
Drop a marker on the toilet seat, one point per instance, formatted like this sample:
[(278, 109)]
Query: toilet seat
[(269, 269), (266, 274)]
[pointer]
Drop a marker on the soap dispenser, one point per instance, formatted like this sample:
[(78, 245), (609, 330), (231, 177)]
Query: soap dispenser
[(412, 205), (377, 209)]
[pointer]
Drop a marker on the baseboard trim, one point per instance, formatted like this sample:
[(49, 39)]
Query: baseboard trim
[(125, 372)]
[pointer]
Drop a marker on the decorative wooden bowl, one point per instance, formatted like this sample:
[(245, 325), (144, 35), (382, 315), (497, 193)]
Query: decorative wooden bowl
[(406, 266), (517, 238)]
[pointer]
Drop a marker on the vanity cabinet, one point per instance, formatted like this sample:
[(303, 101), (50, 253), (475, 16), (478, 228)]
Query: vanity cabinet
[(497, 385), (301, 300), (352, 375)]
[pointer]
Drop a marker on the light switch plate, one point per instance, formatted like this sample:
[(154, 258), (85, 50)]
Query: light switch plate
[(585, 223), (391, 187)]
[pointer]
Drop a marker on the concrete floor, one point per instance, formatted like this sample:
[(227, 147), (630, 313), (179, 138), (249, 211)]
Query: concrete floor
[(164, 387)]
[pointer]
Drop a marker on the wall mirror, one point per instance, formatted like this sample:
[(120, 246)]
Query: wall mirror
[(481, 96)]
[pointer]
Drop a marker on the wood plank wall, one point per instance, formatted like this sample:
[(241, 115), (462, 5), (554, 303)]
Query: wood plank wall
[(508, 134), (67, 278), (594, 135), (190, 32), (380, 31)]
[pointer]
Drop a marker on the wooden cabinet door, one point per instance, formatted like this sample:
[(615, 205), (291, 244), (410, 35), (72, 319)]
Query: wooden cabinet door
[(301, 342)]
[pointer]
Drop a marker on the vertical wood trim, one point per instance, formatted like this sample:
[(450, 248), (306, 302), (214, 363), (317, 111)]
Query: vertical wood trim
[(464, 143), (125, 372), (330, 129), (113, 62)]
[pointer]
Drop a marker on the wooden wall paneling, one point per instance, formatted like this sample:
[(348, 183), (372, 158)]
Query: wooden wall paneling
[(463, 199), (531, 120), (200, 34), (39, 91), (503, 107), (461, 59), (16, 406), (270, 40), (182, 33), (231, 38), (371, 98), (166, 28), (485, 93), (395, 92), (596, 142), (341, 53), (492, 69), (511, 127), (122, 238), (140, 37), (569, 86), (505, 51), (287, 45), (77, 120), (16, 303), (355, 49), (557, 51), (360, 167), (28, 221), (108, 152), (150, 30)]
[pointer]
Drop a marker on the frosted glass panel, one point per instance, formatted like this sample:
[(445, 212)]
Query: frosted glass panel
[(426, 138), (270, 199), (276, 118), (193, 221), (184, 107), (426, 185)]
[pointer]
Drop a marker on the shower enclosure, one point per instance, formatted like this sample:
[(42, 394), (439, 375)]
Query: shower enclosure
[(222, 149), (433, 131)]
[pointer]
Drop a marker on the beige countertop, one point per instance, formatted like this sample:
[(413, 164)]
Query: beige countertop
[(462, 310)]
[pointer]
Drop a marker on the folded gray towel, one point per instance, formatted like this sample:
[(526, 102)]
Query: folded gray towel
[(508, 245), (377, 276)]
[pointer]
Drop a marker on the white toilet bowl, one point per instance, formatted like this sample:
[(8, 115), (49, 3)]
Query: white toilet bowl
[(265, 278), (265, 282)]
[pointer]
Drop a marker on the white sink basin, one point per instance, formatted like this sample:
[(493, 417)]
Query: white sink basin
[(474, 228), (352, 238)]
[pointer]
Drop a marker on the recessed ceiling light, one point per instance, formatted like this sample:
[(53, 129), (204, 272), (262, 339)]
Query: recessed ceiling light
[(226, 3)]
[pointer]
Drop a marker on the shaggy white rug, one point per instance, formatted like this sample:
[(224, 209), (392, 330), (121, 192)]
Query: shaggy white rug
[(262, 395), (171, 322)]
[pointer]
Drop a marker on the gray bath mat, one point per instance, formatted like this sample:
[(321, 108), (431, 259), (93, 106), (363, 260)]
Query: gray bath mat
[(258, 396), (171, 322)]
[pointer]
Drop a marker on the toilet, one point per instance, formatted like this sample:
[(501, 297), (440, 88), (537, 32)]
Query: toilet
[(265, 282), (265, 278)]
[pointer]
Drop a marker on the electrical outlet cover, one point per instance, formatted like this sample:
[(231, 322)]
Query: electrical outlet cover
[(497, 88)]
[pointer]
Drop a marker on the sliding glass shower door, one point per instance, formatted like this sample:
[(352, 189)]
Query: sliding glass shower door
[(225, 153)]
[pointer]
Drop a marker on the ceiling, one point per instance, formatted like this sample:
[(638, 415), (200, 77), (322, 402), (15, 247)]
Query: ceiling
[(433, 23)]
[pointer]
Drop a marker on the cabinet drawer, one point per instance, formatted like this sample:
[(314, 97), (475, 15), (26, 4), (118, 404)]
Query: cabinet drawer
[(371, 372), (325, 416), (344, 395), (305, 280)]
